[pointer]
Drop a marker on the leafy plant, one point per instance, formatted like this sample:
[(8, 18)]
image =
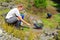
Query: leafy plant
[(40, 3)]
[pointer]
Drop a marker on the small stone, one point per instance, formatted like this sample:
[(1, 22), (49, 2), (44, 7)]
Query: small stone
[(1, 32)]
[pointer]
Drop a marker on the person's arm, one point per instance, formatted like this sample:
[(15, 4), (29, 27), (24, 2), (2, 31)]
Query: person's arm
[(19, 17)]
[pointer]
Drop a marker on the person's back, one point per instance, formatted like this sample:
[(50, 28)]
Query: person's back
[(14, 16), (12, 13)]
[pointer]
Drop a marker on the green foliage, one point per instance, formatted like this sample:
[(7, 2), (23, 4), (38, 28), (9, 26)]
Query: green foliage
[(17, 1), (40, 3), (51, 3), (19, 33), (57, 17), (31, 36), (49, 23), (26, 28), (10, 29), (29, 4), (58, 7), (1, 0), (8, 1), (4, 11)]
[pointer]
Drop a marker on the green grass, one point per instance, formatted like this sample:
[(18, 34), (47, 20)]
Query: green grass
[(48, 23), (51, 23), (51, 3), (10, 29), (4, 11), (57, 17)]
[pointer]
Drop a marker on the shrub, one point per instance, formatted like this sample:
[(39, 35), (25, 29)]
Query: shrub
[(40, 3)]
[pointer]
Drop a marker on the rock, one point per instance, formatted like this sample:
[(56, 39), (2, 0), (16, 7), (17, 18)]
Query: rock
[(1, 8), (43, 37), (1, 33), (14, 38), (5, 4), (5, 36), (11, 6), (58, 27)]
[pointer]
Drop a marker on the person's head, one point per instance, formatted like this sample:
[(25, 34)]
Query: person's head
[(20, 7)]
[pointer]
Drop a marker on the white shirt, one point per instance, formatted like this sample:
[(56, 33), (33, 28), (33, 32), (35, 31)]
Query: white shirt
[(12, 13)]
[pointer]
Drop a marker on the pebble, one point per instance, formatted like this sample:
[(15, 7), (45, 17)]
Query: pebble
[(1, 33), (5, 36)]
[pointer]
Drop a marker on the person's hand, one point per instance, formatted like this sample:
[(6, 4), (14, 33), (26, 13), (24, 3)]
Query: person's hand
[(31, 26), (28, 24)]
